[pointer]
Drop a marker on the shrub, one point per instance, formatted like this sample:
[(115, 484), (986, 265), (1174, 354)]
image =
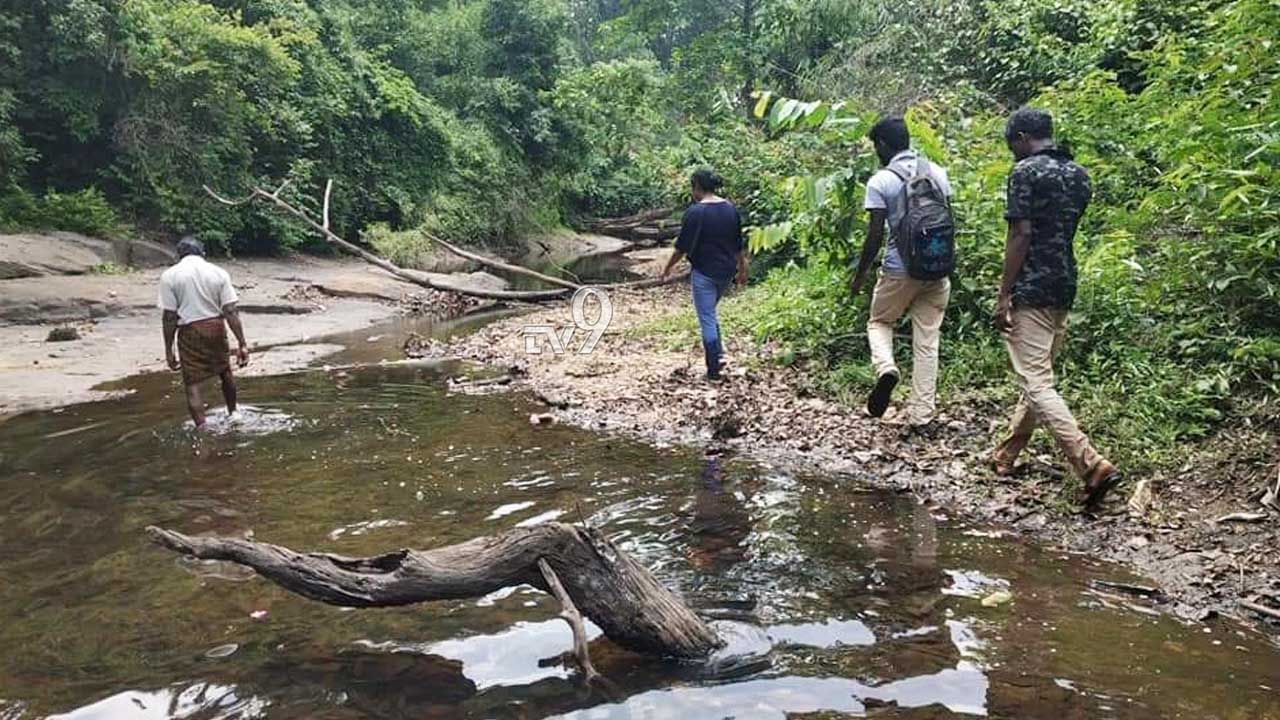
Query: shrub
[(84, 211)]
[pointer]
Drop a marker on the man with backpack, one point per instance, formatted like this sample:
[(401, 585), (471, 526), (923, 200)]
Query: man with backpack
[(909, 196), (1047, 196)]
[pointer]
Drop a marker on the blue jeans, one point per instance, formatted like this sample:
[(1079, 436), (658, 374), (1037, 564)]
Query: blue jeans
[(707, 292)]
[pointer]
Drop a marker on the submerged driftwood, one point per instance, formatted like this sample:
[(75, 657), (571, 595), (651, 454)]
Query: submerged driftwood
[(581, 567)]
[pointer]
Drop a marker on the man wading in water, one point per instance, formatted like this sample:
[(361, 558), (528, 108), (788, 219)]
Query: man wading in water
[(711, 237), (197, 299), (1048, 194)]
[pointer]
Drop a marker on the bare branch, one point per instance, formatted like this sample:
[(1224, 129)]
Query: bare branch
[(328, 190), (226, 201), (1260, 609), (276, 195), (569, 613), (417, 278), (498, 264)]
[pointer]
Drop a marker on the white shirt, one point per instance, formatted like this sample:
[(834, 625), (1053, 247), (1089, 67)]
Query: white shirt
[(883, 193), (195, 289)]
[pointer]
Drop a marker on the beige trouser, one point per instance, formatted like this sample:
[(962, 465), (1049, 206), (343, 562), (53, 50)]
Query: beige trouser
[(1035, 340), (927, 300)]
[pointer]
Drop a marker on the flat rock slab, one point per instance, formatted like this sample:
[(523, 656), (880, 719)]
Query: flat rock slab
[(52, 254), (65, 253)]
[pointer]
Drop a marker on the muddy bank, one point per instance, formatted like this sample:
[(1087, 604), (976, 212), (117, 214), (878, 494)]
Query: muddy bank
[(639, 383), (286, 305)]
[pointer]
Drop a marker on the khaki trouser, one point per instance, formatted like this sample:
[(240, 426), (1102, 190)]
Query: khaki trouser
[(927, 300), (1034, 341)]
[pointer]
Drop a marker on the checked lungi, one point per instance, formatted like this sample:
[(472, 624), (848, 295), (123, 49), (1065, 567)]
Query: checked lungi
[(203, 350)]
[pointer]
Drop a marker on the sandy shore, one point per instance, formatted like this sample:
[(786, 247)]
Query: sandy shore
[(645, 384), (286, 305)]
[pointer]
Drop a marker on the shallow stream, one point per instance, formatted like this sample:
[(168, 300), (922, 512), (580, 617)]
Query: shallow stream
[(839, 602)]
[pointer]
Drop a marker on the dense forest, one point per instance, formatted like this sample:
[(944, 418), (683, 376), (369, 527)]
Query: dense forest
[(485, 120)]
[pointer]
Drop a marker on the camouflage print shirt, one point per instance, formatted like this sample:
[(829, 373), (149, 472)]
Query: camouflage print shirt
[(1051, 191)]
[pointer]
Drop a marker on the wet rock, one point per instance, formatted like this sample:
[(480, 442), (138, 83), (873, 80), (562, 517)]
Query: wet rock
[(554, 399), (997, 598), (1141, 499)]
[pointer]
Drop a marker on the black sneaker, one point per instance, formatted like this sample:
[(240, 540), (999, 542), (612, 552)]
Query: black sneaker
[(881, 394)]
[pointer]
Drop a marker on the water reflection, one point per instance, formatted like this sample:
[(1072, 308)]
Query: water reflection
[(206, 701), (522, 655), (720, 522), (959, 691)]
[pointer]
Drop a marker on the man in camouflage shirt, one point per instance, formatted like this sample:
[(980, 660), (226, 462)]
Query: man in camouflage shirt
[(1047, 196)]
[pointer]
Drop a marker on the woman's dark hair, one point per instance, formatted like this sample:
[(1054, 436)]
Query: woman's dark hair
[(706, 180), (892, 133), (1032, 122)]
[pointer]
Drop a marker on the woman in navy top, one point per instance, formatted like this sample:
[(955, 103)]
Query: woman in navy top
[(711, 237)]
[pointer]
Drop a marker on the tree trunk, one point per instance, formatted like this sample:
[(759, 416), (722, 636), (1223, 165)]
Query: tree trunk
[(620, 596), (500, 265)]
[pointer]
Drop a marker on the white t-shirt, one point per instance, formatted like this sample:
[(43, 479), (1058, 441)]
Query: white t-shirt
[(195, 289), (883, 193)]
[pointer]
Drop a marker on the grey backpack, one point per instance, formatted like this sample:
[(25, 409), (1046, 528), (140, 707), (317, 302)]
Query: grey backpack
[(926, 234)]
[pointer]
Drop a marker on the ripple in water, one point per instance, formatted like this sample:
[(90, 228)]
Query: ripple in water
[(247, 420)]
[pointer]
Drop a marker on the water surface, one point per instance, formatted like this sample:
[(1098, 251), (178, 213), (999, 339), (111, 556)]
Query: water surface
[(838, 602)]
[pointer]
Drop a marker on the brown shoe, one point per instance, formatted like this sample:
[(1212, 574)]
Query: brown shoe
[(1102, 480)]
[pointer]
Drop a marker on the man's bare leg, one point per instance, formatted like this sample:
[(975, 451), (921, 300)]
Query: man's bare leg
[(229, 390), (195, 405)]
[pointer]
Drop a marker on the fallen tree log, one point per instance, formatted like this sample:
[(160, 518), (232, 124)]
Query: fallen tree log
[(499, 265), (417, 278), (618, 594), (629, 221), (564, 292)]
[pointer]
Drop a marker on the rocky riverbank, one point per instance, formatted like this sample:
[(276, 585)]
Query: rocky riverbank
[(639, 382)]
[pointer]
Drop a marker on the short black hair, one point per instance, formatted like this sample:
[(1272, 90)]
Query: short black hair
[(891, 132), (707, 180), (1035, 123), (189, 245)]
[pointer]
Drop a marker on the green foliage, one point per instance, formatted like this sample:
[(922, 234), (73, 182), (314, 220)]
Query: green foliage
[(1178, 256), (85, 211), (616, 112)]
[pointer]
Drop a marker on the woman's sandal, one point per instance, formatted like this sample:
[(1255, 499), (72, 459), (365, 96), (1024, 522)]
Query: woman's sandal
[(1000, 467), (1102, 480)]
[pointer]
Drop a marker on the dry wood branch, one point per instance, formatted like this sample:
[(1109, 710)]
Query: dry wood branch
[(612, 589), (569, 613), (1260, 609), (328, 191), (1245, 517), (633, 220), (323, 228), (416, 278), (642, 284), (499, 265), (228, 201)]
